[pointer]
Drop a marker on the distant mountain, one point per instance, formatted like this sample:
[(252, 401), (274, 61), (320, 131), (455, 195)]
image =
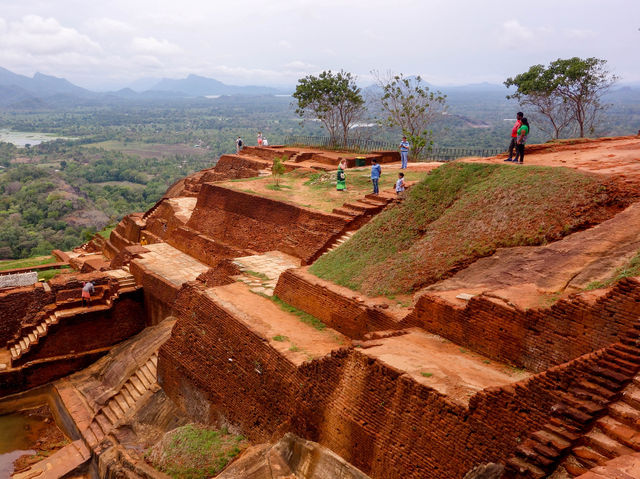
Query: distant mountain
[(42, 86), (195, 85)]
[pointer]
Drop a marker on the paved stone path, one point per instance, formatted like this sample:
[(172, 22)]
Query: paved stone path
[(261, 272), (171, 263)]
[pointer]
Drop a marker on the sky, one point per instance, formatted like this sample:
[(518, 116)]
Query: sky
[(114, 43)]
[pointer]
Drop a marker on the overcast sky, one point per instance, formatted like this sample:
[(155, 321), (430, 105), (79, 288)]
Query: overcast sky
[(112, 43)]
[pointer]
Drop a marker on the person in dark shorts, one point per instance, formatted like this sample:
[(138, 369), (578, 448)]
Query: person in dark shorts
[(523, 132), (514, 137), (87, 289)]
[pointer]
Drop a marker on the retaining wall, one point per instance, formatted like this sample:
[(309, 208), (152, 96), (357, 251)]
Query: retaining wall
[(537, 338), (252, 222)]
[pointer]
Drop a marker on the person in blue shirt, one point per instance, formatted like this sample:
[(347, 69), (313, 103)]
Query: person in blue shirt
[(376, 171), (404, 153)]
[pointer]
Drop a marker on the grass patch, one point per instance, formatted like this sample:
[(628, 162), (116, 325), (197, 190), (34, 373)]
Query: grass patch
[(293, 348), (427, 375), (106, 232), (47, 274), (280, 338), (304, 317), (631, 269), (277, 187), (461, 212), (258, 275), (195, 452), (27, 262)]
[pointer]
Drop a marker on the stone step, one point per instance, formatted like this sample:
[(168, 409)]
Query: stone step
[(605, 382), (575, 470), (41, 329), (631, 395), (524, 468), (623, 362), (564, 426), (527, 452), (630, 340), (107, 411), (143, 379), (567, 412), (146, 370), (626, 371), (630, 353), (154, 361), (32, 337), (132, 390), (552, 439), (605, 445), (122, 402), (588, 395), (90, 437), (589, 457), (625, 413), (611, 375), (346, 212), (103, 420), (618, 431), (597, 389), (115, 408), (138, 384), (97, 431), (583, 405)]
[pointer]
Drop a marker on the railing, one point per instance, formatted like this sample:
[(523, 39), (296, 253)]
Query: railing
[(367, 145)]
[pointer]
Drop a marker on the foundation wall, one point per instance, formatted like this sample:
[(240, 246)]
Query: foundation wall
[(347, 315), (90, 330), (18, 306), (159, 294), (535, 339), (260, 224), (201, 247), (374, 416)]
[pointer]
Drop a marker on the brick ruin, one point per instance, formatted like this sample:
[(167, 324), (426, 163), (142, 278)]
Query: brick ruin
[(429, 390)]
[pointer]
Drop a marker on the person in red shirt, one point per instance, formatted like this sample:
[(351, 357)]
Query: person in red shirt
[(514, 136)]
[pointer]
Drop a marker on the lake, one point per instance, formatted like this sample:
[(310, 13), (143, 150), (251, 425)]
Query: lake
[(22, 138)]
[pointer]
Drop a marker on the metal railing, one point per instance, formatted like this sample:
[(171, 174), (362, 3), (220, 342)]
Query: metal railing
[(368, 145)]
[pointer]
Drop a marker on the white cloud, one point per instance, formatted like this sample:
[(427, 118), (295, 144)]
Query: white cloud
[(38, 36), (153, 46), (108, 26)]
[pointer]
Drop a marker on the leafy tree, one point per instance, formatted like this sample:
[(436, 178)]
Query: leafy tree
[(565, 92), (334, 99), (277, 170), (410, 105)]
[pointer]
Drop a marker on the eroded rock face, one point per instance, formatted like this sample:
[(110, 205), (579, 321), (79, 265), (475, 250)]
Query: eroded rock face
[(291, 458)]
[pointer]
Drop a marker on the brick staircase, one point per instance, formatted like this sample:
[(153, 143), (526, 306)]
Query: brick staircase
[(107, 417), (63, 309), (588, 421)]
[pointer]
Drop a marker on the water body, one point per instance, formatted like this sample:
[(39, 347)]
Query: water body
[(22, 138), (18, 433)]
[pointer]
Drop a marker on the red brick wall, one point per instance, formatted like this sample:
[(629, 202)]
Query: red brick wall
[(18, 307), (201, 247), (91, 330), (261, 224), (159, 294), (537, 338), (374, 416), (347, 315)]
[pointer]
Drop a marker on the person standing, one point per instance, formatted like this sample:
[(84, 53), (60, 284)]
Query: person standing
[(341, 177), (523, 132), (514, 136), (265, 142), (238, 145), (259, 138), (376, 171), (404, 153), (400, 186), (87, 290)]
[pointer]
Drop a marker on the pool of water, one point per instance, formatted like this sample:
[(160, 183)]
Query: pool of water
[(22, 138), (18, 434)]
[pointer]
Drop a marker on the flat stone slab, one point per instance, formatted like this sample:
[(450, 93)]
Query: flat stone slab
[(58, 464), (442, 365), (171, 263)]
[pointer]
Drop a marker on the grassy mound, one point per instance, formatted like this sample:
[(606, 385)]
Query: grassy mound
[(195, 452), (461, 212)]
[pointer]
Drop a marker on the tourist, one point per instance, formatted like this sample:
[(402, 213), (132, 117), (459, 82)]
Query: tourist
[(341, 184), (87, 290), (514, 136), (259, 138), (376, 171), (523, 132), (238, 145), (404, 153), (265, 142), (400, 186)]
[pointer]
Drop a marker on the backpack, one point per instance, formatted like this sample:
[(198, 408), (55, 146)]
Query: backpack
[(240, 143)]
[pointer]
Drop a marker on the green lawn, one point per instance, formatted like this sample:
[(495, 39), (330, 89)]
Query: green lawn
[(26, 262)]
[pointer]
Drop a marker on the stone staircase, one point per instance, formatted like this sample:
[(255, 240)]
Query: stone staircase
[(588, 421), (338, 242), (368, 206), (122, 403), (64, 309)]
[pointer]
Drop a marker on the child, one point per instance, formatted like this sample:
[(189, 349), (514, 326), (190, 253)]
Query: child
[(400, 185), (341, 184)]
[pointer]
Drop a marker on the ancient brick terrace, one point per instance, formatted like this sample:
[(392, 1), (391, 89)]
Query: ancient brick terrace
[(470, 371)]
